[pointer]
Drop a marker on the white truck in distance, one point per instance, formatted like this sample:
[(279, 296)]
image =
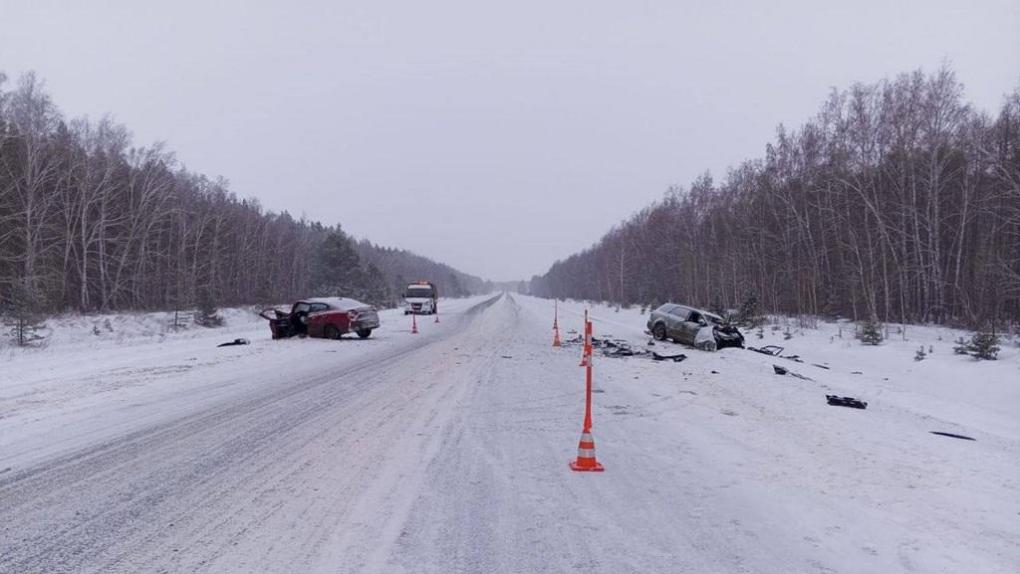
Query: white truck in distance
[(421, 298)]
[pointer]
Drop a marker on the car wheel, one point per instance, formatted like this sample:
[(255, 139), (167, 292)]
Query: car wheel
[(364, 333), (331, 332), (659, 332)]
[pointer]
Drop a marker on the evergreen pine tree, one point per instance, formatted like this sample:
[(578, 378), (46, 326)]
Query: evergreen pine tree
[(749, 314), (375, 291), (984, 346), (871, 332), (206, 313), (336, 270), (21, 316)]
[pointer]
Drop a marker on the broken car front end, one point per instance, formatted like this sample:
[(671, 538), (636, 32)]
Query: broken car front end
[(728, 336)]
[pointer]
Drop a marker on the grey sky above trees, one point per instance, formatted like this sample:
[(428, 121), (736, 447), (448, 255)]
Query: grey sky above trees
[(494, 137)]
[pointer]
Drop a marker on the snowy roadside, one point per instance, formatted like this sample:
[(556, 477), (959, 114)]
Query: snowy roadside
[(763, 469), (958, 390), (101, 376)]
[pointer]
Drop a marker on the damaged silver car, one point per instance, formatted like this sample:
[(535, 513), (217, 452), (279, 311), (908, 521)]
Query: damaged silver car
[(694, 327)]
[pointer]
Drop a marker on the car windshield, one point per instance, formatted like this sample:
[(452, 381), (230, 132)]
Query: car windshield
[(425, 292)]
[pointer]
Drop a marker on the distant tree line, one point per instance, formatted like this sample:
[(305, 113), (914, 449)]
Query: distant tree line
[(897, 202), (89, 222), (401, 267)]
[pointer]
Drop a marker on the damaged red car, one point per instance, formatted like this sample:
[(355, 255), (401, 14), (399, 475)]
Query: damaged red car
[(325, 317)]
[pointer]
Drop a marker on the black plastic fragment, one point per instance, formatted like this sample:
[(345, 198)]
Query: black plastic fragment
[(674, 358), (784, 371), (235, 342), (952, 435), (851, 402)]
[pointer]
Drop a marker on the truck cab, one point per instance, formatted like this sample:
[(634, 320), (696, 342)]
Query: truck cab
[(421, 298)]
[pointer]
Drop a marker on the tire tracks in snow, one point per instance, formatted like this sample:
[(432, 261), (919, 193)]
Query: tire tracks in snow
[(254, 475)]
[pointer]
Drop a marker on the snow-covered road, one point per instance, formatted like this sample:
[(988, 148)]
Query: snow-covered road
[(447, 452)]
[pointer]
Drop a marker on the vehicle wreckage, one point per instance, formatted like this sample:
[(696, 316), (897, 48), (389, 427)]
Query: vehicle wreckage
[(694, 327), (324, 317)]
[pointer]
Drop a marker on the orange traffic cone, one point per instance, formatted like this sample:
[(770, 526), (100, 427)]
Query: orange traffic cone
[(587, 349), (586, 448), (586, 461), (414, 324), (556, 325)]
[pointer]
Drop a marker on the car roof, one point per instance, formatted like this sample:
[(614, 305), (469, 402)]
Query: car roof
[(336, 302), (689, 308)]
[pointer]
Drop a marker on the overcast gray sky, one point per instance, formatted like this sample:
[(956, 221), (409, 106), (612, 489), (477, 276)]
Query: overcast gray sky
[(494, 137)]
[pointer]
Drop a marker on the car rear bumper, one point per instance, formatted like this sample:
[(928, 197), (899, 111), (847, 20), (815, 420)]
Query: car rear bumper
[(365, 320)]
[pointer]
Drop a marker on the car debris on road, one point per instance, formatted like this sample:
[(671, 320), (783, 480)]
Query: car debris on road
[(674, 358), (952, 435), (615, 348), (770, 350), (238, 341), (851, 402), (784, 371), (777, 351)]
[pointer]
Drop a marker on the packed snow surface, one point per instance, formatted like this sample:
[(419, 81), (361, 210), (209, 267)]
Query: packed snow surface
[(126, 446)]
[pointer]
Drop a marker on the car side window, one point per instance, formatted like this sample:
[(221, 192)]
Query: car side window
[(317, 307), (300, 308), (695, 317), (679, 311)]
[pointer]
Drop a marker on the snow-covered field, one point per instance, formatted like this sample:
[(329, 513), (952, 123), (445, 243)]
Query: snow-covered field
[(131, 450), (787, 483)]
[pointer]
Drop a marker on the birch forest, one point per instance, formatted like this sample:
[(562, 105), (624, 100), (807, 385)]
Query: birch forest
[(91, 222), (897, 202)]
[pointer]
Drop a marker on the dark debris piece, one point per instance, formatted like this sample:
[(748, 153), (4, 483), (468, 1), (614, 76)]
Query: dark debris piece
[(674, 358), (235, 342), (770, 350), (784, 371), (953, 435), (775, 351), (851, 402), (610, 347)]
